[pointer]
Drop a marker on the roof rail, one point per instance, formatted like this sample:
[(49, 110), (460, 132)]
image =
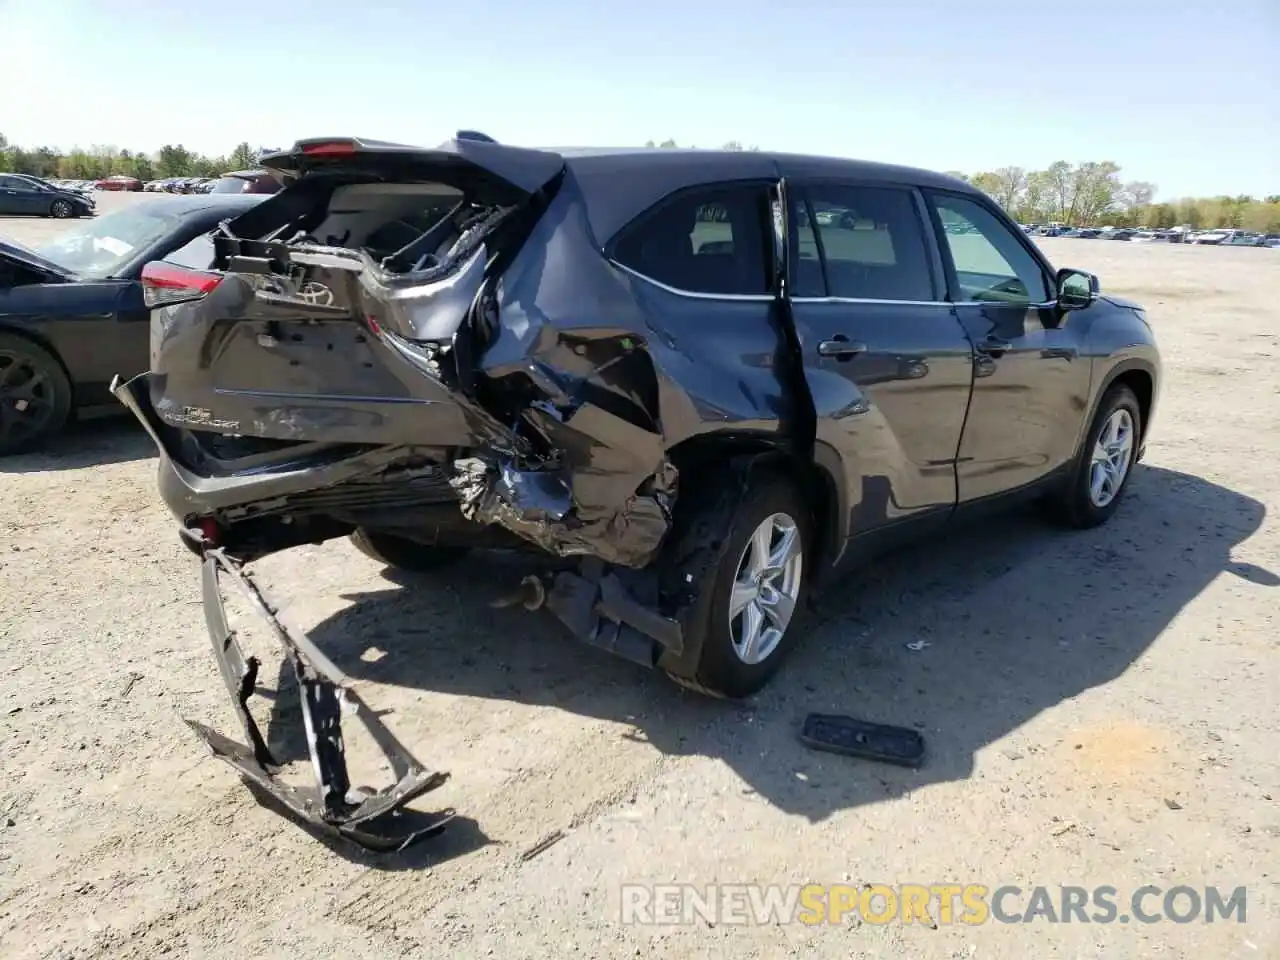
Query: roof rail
[(474, 135)]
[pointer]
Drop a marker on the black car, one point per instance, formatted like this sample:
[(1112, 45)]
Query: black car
[(706, 381), (72, 313), (30, 196)]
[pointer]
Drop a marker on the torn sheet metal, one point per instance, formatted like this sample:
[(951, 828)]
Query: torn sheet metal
[(429, 302), (539, 505), (334, 807), (608, 488), (600, 609)]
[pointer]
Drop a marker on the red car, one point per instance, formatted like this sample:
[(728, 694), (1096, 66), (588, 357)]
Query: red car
[(119, 182)]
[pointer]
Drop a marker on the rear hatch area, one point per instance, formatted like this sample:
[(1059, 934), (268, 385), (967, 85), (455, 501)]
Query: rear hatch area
[(338, 311), (327, 372)]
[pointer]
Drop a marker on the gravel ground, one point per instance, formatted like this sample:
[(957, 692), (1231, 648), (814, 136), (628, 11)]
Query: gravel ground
[(1100, 709)]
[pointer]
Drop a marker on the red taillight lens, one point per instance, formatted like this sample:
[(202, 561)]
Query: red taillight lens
[(208, 528), (164, 283), (329, 148)]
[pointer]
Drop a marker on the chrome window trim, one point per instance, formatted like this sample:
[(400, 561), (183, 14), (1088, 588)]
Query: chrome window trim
[(903, 303), (694, 294), (1048, 304), (769, 298)]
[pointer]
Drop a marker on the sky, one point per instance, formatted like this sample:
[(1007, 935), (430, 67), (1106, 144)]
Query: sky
[(1184, 95)]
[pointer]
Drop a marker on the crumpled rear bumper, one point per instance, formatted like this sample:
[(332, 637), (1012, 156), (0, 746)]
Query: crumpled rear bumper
[(372, 820), (187, 493)]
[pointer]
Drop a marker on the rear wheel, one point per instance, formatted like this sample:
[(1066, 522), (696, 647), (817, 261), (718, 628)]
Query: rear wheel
[(404, 554), (756, 591), (35, 395)]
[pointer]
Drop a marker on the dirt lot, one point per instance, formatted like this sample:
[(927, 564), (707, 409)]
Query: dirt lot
[(1101, 709)]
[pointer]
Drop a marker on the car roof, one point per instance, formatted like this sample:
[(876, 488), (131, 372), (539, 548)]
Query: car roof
[(618, 184), (731, 163)]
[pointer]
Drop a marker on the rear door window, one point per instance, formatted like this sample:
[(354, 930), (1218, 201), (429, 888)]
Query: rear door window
[(715, 240), (860, 243), (20, 185)]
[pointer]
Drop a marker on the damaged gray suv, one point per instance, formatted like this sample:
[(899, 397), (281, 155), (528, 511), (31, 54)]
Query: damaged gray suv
[(705, 381)]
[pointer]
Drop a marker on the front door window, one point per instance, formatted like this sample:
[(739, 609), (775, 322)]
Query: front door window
[(992, 264)]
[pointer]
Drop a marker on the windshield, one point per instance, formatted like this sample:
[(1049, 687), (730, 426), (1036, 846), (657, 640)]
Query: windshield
[(101, 246)]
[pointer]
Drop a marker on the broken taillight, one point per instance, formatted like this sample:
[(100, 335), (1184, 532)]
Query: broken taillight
[(209, 530), (164, 283)]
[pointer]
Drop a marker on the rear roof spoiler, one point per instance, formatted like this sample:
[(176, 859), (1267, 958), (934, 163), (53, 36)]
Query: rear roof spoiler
[(467, 153)]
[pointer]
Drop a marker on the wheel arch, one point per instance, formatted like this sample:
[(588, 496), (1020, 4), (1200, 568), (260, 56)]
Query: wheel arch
[(1139, 375), (816, 479)]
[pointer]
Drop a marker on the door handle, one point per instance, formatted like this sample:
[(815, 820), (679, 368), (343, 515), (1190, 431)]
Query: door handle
[(841, 347), (994, 346)]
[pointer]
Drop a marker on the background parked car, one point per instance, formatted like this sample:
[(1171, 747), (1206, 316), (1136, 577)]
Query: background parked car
[(72, 314), (30, 196), (246, 181), (119, 182), (1246, 240)]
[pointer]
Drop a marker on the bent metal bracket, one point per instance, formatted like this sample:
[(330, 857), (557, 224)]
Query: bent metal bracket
[(370, 819)]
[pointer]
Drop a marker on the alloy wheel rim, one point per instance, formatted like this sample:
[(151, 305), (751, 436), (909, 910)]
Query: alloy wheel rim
[(26, 398), (766, 588), (1112, 456), (61, 209)]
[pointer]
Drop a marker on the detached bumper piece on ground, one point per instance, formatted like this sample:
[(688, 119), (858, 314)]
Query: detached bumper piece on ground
[(372, 820), (834, 733)]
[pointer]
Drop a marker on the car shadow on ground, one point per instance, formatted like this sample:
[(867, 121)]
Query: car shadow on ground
[(1017, 616), (89, 443)]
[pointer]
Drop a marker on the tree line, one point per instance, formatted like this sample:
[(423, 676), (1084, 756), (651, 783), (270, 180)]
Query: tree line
[(1093, 194), (1088, 194), (95, 163)]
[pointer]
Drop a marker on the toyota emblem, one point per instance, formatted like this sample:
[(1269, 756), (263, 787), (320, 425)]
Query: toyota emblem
[(317, 293)]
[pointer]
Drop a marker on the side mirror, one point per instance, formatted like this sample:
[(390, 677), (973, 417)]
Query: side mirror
[(1076, 289)]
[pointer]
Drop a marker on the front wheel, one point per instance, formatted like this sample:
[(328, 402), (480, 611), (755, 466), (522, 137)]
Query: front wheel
[(404, 554), (756, 591), (35, 395), (1100, 474), (61, 210)]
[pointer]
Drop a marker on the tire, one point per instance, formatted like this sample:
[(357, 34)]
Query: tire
[(61, 210), (1077, 505), (35, 395), (721, 669), (403, 554)]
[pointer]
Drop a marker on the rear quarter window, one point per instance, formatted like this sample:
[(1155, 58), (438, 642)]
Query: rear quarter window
[(710, 240)]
